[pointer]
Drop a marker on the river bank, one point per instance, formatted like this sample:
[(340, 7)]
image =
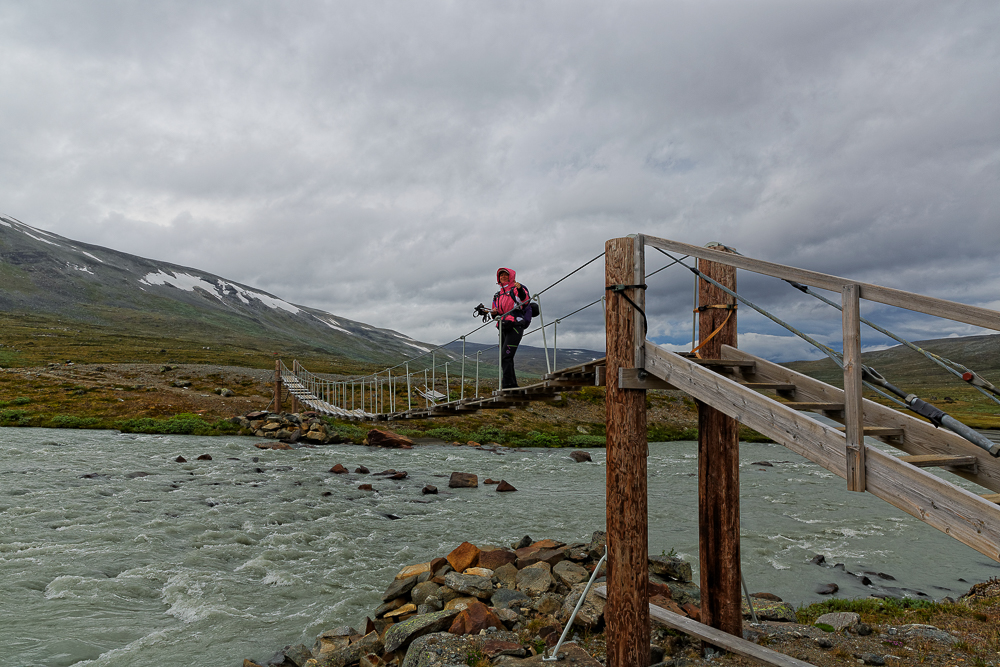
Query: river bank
[(514, 605)]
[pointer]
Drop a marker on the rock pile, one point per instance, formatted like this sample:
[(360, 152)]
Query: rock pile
[(504, 604), (287, 428)]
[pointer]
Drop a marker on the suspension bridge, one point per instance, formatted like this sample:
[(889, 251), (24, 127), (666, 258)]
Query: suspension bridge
[(731, 387)]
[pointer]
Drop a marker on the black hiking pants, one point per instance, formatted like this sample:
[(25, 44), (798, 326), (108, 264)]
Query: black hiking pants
[(510, 338)]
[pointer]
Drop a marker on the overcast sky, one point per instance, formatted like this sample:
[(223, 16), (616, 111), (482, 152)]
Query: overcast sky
[(381, 160)]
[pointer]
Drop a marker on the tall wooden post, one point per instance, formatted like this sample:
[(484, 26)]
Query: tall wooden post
[(277, 386), (853, 401), (627, 612), (718, 467)]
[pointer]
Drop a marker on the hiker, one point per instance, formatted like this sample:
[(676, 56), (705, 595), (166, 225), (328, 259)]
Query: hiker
[(510, 304)]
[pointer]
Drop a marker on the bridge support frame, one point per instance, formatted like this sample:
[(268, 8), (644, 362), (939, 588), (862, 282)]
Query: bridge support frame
[(627, 613), (718, 464)]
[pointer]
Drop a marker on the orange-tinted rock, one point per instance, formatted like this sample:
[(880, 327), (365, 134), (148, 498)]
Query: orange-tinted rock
[(463, 480), (532, 556), (438, 563), (654, 588), (338, 469), (493, 559), (464, 556), (366, 487), (505, 486), (414, 570), (666, 603), (547, 544), (490, 480), (399, 475), (377, 438), (476, 617), (693, 611)]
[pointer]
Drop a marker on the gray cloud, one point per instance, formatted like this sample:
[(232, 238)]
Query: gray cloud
[(380, 160)]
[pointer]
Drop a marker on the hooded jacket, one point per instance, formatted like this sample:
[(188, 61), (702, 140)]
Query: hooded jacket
[(510, 298)]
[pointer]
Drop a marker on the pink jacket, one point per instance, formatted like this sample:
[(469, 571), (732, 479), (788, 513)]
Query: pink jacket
[(510, 297)]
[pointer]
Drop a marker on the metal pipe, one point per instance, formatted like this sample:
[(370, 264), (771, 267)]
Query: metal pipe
[(579, 603), (555, 343)]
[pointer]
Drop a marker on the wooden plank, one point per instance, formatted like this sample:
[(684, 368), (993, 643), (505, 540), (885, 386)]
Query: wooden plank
[(952, 510), (764, 386), (627, 615), (635, 378), (920, 436), (939, 460), (600, 376), (853, 408), (718, 464), (959, 312), (818, 406), (708, 634), (880, 431), (728, 363)]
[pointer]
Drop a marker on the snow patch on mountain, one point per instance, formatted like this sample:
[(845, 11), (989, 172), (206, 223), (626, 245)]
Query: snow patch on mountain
[(332, 323), (219, 290), (92, 257), (79, 268)]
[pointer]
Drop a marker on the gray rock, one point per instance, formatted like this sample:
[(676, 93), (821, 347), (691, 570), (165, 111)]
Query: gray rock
[(580, 457), (446, 594), (597, 543), (403, 633), (521, 543), (827, 589), (443, 649), (505, 598), (470, 584), (548, 603), (872, 659), (534, 579), (569, 573), (928, 632), (840, 620), (671, 568), (681, 592), (769, 610), (370, 643), (422, 591), (298, 654), (399, 587), (506, 575), (823, 642), (591, 611)]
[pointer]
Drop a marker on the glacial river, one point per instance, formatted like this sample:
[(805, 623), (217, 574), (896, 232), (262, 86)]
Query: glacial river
[(209, 562)]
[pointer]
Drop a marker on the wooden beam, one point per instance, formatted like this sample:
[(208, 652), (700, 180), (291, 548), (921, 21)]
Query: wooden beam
[(853, 411), (816, 406), (627, 615), (706, 633), (952, 510), (635, 378), (600, 376), (920, 437), (879, 431), (718, 464), (958, 312), (939, 460), (764, 386)]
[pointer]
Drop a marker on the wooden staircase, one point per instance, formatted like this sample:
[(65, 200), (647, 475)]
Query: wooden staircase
[(735, 384)]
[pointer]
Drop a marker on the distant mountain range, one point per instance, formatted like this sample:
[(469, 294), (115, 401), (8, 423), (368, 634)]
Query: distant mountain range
[(44, 274)]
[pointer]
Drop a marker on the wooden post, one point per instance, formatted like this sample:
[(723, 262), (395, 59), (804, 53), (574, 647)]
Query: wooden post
[(627, 613), (277, 386), (853, 405), (718, 466)]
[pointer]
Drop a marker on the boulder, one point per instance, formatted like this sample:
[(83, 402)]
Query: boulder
[(767, 610), (429, 489), (205, 457), (569, 573), (535, 579), (463, 480), (919, 630), (479, 572), (474, 619), (421, 592), (298, 654), (597, 543), (399, 475), (338, 469), (406, 610), (580, 457), (489, 481), (180, 459), (523, 542), (361, 470), (505, 599), (402, 634), (464, 556), (671, 568), (226, 393), (506, 576), (399, 587), (413, 570), (333, 640), (391, 605), (365, 487), (494, 558), (370, 643), (530, 555), (839, 620), (377, 438), (469, 584), (827, 589), (458, 604), (591, 611), (548, 604), (504, 486)]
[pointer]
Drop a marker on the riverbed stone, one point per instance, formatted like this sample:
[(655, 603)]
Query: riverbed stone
[(569, 573), (505, 487), (598, 541), (827, 589), (591, 611), (405, 610), (399, 587), (460, 603), (333, 639), (504, 599), (531, 555), (494, 558), (413, 570), (927, 632), (421, 592), (464, 556), (474, 619), (534, 579), (548, 604), (506, 575), (580, 457), (298, 654), (379, 438), (470, 584), (370, 643), (402, 634), (768, 610), (391, 605), (479, 572), (442, 648), (838, 620), (463, 480), (671, 568)]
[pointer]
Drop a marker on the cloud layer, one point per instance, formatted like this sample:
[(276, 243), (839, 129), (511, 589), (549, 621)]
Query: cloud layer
[(380, 160)]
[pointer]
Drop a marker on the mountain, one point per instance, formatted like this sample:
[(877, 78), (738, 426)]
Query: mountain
[(51, 283)]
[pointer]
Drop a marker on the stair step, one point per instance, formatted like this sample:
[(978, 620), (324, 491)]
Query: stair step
[(879, 431), (940, 460), (760, 386), (725, 363), (991, 497), (814, 405)]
